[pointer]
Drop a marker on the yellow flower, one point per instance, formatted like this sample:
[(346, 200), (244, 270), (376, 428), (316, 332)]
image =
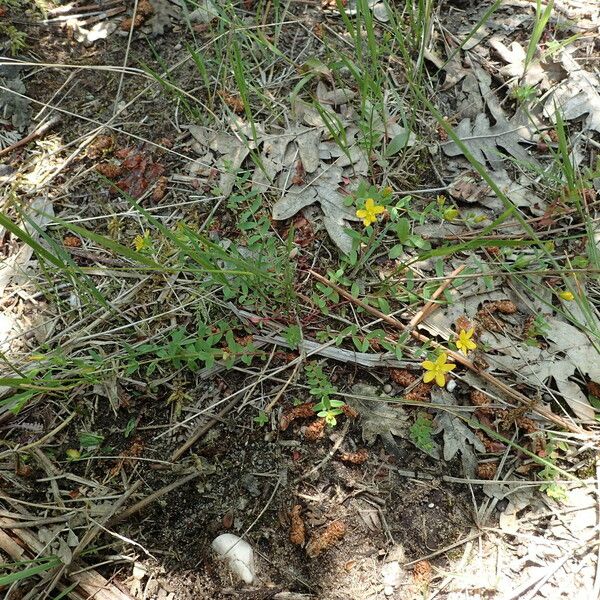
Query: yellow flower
[(370, 212), (437, 370), (141, 243), (566, 295), (464, 342)]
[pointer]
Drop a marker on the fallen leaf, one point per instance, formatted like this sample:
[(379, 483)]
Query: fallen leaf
[(484, 140)]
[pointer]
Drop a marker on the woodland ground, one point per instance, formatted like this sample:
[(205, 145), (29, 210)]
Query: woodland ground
[(208, 328)]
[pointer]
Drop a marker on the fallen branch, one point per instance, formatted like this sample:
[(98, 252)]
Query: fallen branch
[(459, 358), (36, 133)]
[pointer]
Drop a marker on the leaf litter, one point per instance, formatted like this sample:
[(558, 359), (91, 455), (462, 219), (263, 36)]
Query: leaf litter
[(303, 163)]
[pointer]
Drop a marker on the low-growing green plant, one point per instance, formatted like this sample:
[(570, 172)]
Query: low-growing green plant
[(17, 40), (261, 419), (421, 432), (321, 387), (549, 474), (202, 349)]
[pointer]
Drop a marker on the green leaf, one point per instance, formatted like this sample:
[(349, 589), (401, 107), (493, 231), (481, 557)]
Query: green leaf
[(396, 251), (90, 440), (403, 229), (397, 143), (46, 565)]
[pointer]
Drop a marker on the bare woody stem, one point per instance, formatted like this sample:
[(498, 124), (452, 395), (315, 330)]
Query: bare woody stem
[(458, 358)]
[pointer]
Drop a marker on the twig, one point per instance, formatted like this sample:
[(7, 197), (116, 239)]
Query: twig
[(432, 305), (132, 510), (282, 389), (370, 360), (95, 530), (87, 539), (42, 440), (36, 133), (328, 456), (459, 358), (92, 584), (201, 431)]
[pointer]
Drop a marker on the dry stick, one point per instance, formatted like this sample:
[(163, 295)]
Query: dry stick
[(432, 305), (36, 133), (132, 510), (202, 430), (465, 362)]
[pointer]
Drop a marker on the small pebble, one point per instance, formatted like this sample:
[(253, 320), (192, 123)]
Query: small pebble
[(451, 385), (387, 388)]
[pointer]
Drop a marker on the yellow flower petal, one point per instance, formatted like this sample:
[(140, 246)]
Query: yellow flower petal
[(440, 379), (428, 365), (428, 376), (361, 214), (567, 296), (441, 359), (448, 367)]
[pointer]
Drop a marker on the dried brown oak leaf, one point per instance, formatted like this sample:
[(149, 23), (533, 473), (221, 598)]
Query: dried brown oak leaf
[(297, 527), (321, 542)]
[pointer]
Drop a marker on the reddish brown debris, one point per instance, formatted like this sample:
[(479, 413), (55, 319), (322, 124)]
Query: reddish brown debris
[(321, 542), (403, 377), (593, 388), (233, 101), (136, 449), (297, 527), (161, 187), (422, 572), (506, 307), (144, 10), (315, 430), (303, 411), (487, 470), (299, 173), (72, 241), (479, 398), (356, 458), (491, 446), (228, 519), (109, 170), (527, 425), (101, 146), (463, 323), (350, 412), (420, 393)]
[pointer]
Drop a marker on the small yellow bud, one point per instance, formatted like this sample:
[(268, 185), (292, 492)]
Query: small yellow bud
[(566, 295)]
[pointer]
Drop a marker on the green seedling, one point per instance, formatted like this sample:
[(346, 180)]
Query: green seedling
[(321, 387)]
